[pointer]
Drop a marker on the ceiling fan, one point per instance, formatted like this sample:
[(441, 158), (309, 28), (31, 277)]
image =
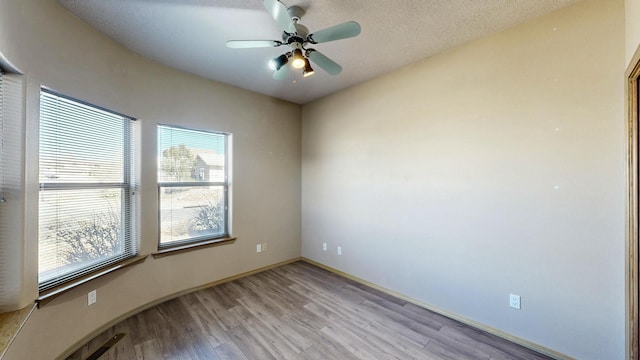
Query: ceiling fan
[(297, 37)]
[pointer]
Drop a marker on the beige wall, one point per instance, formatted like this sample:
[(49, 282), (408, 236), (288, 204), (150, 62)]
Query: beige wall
[(53, 48), (632, 14), (632, 39), (496, 167)]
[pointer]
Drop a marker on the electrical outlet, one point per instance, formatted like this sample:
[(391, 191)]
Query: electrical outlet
[(92, 297), (324, 246), (264, 247), (259, 248), (514, 301), (339, 250)]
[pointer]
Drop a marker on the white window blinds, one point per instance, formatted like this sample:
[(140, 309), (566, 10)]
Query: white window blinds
[(87, 191), (12, 250)]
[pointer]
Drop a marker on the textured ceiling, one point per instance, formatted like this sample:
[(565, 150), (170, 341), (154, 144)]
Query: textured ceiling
[(190, 35)]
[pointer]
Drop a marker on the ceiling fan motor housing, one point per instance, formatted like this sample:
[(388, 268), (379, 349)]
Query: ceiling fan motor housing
[(296, 13), (300, 36)]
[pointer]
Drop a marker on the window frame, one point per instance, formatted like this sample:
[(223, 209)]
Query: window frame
[(4, 148), (632, 92), (2, 141), (204, 240), (128, 206)]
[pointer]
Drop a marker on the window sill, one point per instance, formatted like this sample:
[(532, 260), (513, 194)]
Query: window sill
[(190, 247), (10, 325), (47, 296)]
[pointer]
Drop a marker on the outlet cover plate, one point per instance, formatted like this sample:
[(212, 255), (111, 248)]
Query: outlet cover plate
[(92, 297), (514, 301)]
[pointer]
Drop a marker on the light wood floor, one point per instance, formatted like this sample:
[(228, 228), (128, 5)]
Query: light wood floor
[(297, 311)]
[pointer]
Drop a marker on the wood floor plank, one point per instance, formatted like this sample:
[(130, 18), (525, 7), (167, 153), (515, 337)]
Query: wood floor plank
[(248, 344), (373, 294), (309, 326), (275, 324), (334, 315), (495, 346), (363, 346), (454, 353), (209, 324), (342, 331), (187, 331), (250, 290), (297, 311), (169, 338), (269, 339), (313, 353), (329, 306), (406, 328), (148, 350), (305, 322), (138, 329), (226, 294), (305, 273), (278, 291), (464, 345), (397, 310), (404, 344), (214, 306), (422, 312), (230, 351)]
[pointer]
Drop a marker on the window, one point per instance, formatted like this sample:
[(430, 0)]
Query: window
[(192, 186), (87, 192)]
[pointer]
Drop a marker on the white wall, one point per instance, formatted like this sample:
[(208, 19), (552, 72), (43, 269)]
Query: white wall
[(54, 48), (496, 167)]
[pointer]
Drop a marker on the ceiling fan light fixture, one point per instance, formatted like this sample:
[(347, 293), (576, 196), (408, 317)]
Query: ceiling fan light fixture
[(280, 61), (308, 70), (277, 63), (298, 60)]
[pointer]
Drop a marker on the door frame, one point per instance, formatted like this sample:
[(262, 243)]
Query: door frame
[(632, 92)]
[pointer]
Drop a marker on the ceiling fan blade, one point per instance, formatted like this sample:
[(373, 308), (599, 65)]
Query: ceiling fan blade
[(324, 62), (282, 73), (279, 13), (341, 31), (248, 44)]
